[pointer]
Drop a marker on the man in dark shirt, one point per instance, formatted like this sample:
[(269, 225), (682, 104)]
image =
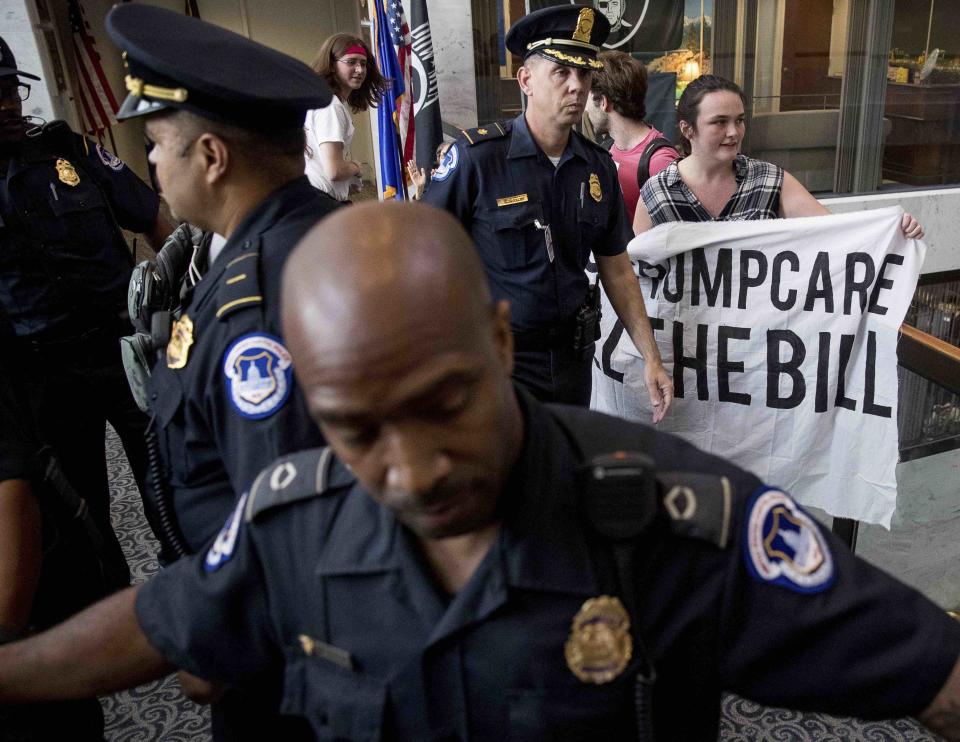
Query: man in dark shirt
[(225, 116), (64, 268), (459, 564), (538, 198)]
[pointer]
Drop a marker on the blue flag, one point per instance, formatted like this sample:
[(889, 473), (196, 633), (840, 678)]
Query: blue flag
[(391, 168)]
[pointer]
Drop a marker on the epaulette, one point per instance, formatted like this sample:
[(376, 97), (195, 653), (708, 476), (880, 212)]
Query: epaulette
[(298, 476), (698, 505), (485, 133), (623, 489), (239, 285), (54, 136)]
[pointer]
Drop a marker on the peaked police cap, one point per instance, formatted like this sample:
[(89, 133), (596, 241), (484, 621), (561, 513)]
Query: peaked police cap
[(176, 61)]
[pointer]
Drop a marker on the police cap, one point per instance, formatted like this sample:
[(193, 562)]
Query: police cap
[(566, 34), (8, 64), (176, 61)]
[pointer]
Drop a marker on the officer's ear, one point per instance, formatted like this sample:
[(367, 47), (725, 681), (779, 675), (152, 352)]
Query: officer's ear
[(216, 156), (524, 74), (503, 335)]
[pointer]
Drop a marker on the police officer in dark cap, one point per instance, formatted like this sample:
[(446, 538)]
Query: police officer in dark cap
[(64, 267), (538, 198), (465, 563), (225, 116)]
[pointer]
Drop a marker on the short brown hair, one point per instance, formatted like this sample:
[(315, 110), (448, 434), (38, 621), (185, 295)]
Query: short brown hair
[(688, 107), (325, 65), (623, 80)]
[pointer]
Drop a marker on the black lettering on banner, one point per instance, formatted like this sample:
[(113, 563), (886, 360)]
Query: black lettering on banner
[(823, 369), (610, 345), (820, 285), (746, 280), (658, 271), (677, 295), (725, 366), (846, 347), (791, 367), (870, 380), (851, 285), (698, 362), (778, 261), (700, 275), (883, 283)]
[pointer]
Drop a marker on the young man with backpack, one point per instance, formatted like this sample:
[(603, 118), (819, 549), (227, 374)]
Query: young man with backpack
[(616, 109)]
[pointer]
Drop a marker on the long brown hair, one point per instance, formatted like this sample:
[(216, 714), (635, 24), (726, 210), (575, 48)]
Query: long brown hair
[(325, 64)]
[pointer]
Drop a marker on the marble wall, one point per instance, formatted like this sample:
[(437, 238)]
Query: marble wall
[(937, 210)]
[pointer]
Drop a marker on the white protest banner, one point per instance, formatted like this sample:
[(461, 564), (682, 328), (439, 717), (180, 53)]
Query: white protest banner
[(781, 337)]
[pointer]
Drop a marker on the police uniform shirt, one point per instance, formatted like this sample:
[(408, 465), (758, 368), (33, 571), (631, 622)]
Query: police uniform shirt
[(519, 209), (223, 396), (64, 264), (334, 588)]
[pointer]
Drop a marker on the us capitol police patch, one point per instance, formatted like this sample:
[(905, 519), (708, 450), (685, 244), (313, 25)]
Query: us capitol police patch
[(448, 164), (783, 546), (258, 370), (600, 645), (221, 550)]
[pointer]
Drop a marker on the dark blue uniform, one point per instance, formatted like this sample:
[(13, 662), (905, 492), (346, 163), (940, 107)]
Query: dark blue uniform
[(64, 268), (224, 399), (754, 598), (520, 210)]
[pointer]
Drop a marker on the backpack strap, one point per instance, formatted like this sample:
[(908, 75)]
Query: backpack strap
[(643, 166)]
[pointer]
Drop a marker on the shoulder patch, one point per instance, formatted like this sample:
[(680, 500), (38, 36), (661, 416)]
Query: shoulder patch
[(449, 163), (109, 159), (240, 285), (221, 550), (783, 546), (485, 133), (699, 505), (299, 476), (258, 371)]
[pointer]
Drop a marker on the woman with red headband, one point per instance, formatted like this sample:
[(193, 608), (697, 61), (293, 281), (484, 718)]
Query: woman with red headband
[(349, 68)]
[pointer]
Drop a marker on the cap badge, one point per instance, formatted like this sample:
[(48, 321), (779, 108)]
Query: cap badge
[(600, 646), (181, 338), (67, 173), (595, 191), (584, 26)]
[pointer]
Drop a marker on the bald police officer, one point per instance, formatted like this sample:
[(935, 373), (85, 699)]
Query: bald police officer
[(466, 563), (225, 116), (537, 198)]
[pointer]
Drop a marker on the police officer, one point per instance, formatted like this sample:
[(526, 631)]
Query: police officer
[(467, 563), (538, 198), (225, 116), (64, 267)]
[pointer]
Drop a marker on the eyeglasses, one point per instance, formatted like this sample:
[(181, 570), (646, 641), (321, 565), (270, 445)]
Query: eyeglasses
[(19, 92), (354, 63)]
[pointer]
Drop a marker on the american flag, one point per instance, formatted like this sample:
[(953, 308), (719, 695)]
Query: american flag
[(97, 102), (402, 41)]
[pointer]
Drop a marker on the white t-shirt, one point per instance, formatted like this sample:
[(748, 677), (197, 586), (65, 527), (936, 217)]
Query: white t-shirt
[(330, 124)]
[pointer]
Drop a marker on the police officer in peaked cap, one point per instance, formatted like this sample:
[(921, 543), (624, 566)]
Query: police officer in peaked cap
[(538, 198), (225, 118), (64, 268)]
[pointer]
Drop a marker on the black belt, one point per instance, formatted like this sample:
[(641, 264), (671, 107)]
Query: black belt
[(547, 338)]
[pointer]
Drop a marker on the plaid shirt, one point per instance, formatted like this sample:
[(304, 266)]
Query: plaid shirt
[(759, 183)]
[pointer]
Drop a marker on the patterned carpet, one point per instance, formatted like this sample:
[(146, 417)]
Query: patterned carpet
[(158, 711)]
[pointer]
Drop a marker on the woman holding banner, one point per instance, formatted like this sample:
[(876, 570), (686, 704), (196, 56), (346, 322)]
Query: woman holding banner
[(714, 181), (351, 71)]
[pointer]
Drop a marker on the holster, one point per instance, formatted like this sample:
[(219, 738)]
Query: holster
[(586, 328)]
